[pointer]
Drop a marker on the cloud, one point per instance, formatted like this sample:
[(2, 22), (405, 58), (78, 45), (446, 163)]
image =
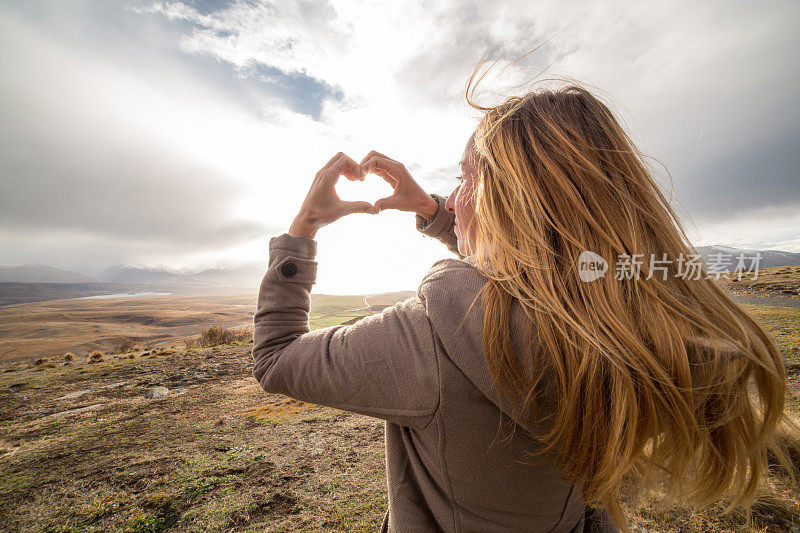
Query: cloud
[(187, 132), (71, 160), (761, 176), (678, 72)]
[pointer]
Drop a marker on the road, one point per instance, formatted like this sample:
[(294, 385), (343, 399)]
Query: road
[(366, 303), (770, 302)]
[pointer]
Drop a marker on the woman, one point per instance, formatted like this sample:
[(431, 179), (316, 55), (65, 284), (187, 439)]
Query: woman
[(608, 385)]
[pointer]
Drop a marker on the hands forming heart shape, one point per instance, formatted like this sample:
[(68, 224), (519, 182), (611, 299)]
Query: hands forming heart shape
[(322, 205)]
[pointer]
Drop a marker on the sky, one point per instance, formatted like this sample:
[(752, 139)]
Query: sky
[(188, 133)]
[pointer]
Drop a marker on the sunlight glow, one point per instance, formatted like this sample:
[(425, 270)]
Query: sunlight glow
[(371, 189)]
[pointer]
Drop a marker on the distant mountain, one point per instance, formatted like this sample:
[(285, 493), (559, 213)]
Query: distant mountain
[(769, 258), (231, 276), (248, 276), (35, 273), (119, 273)]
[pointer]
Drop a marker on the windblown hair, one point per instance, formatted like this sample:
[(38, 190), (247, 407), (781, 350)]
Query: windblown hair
[(660, 382)]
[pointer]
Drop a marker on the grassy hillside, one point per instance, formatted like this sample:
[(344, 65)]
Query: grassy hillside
[(778, 282), (216, 453), (45, 329), (83, 449)]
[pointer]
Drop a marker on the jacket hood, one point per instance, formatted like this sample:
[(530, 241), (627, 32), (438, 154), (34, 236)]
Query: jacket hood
[(448, 292)]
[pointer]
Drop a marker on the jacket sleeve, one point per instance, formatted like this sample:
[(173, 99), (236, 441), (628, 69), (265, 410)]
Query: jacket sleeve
[(385, 365), (441, 226)]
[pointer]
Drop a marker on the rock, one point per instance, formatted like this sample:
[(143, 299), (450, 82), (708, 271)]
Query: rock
[(179, 380), (179, 392), (156, 393), (71, 411), (116, 385), (76, 394)]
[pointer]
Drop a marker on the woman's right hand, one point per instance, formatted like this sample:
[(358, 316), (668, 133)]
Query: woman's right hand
[(408, 195)]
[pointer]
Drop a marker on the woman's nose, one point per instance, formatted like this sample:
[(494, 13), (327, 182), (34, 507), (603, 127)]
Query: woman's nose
[(450, 204)]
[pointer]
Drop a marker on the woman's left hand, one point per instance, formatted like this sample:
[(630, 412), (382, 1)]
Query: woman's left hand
[(322, 205)]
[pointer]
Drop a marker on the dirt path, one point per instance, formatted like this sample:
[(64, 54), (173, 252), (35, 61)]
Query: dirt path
[(765, 300)]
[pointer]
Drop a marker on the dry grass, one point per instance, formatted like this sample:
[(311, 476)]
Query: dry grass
[(776, 282), (32, 330), (223, 455), (282, 409), (218, 335), (126, 344), (218, 454)]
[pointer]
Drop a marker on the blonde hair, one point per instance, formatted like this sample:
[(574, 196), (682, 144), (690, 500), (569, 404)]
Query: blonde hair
[(652, 375)]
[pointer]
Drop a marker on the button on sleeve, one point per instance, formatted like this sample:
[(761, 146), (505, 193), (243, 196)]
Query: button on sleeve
[(289, 269)]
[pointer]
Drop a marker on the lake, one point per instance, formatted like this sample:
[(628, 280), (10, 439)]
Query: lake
[(122, 295)]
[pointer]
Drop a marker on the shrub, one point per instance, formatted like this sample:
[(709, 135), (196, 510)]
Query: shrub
[(216, 335), (40, 361), (95, 357), (69, 357), (125, 345)]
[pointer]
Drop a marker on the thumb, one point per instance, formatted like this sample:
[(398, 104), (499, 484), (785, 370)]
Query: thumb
[(361, 207), (386, 203)]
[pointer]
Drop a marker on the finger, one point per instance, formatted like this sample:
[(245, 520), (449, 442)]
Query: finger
[(390, 202), (332, 159), (360, 207), (383, 174), (342, 165), (327, 165), (335, 165), (375, 153), (318, 175), (388, 169)]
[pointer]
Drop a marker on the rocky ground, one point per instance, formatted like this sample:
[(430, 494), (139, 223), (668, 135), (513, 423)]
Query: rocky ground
[(179, 440), (776, 282), (186, 440)]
